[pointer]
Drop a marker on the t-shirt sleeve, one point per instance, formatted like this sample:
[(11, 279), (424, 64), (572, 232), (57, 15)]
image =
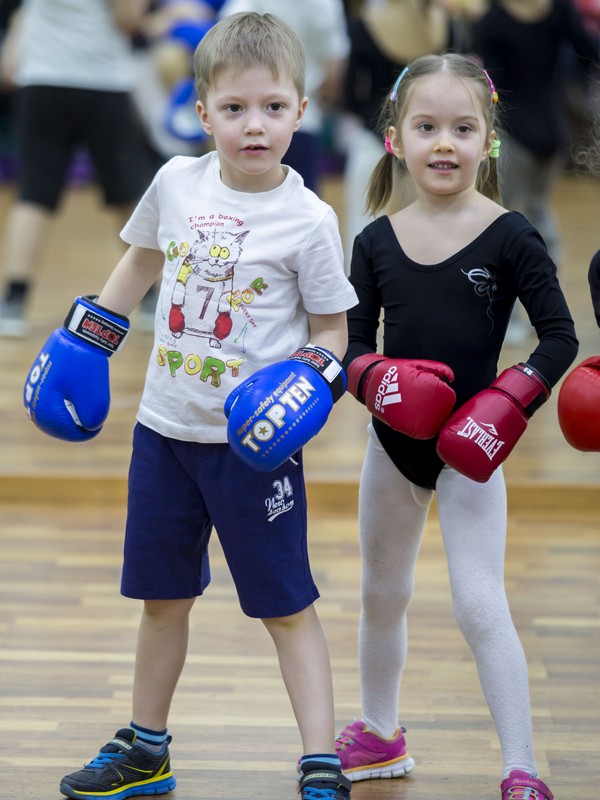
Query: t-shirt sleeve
[(142, 227), (324, 287)]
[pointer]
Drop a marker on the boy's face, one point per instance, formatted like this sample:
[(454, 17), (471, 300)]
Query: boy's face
[(252, 116)]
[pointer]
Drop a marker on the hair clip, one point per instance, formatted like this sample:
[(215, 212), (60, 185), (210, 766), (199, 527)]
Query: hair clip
[(495, 151), (493, 91), (388, 145), (394, 92)]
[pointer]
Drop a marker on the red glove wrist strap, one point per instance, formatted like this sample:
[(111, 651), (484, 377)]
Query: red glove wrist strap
[(358, 372)]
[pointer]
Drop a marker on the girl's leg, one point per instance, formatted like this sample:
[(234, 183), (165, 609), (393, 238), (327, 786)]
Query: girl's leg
[(392, 515), (306, 670), (161, 651), (473, 520)]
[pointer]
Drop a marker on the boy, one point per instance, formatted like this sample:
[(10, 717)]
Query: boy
[(251, 270)]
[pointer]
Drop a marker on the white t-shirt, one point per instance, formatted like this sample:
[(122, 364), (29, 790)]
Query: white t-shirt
[(75, 44), (254, 263)]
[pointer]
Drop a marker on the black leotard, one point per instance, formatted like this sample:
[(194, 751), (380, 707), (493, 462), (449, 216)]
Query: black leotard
[(456, 312)]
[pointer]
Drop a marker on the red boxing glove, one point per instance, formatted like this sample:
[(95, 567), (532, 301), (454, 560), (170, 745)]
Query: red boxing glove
[(176, 320), (483, 432), (410, 395), (223, 325), (579, 406)]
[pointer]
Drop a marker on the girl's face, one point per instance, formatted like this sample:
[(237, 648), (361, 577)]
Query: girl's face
[(252, 116), (442, 137)]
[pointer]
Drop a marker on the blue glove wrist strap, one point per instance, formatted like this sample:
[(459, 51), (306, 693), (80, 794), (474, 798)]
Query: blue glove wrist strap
[(96, 325), (326, 364)]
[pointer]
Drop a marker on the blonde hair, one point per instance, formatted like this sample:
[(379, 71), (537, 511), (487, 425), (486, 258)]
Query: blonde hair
[(392, 113), (587, 159), (247, 39)]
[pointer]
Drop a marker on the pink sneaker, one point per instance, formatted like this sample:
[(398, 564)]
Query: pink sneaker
[(365, 755), (520, 785)]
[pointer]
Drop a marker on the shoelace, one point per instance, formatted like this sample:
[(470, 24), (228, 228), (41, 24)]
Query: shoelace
[(102, 759), (344, 739), (310, 793), (524, 793)]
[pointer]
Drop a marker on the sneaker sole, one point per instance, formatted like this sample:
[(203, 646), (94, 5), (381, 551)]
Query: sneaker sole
[(394, 769), (161, 786)]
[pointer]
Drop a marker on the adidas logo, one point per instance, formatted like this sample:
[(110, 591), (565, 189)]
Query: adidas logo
[(388, 392)]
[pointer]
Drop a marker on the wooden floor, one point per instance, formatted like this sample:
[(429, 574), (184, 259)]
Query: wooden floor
[(67, 637), (66, 663)]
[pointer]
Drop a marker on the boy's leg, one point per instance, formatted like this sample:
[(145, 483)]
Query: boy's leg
[(160, 657), (136, 761), (304, 661), (264, 539)]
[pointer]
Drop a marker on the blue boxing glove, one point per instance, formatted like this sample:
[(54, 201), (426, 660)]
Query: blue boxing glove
[(67, 392), (275, 412)]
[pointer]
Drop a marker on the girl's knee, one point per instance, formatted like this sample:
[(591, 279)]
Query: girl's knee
[(481, 615), (380, 602)]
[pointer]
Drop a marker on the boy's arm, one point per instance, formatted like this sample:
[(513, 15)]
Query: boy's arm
[(67, 392), (329, 331), (131, 278)]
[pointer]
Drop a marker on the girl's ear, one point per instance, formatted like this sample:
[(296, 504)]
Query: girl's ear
[(393, 135), (488, 145), (203, 117)]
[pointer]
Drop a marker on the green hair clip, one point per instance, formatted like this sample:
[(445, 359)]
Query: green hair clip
[(495, 151)]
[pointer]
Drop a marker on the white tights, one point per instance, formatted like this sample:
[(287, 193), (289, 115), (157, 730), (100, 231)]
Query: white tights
[(392, 516)]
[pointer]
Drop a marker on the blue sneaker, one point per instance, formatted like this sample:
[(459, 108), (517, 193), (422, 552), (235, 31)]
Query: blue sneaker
[(323, 784), (122, 769)]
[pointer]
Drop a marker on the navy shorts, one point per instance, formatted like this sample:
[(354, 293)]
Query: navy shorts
[(52, 122), (179, 490)]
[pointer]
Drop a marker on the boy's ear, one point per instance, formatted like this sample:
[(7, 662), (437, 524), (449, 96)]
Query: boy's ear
[(203, 117), (301, 110)]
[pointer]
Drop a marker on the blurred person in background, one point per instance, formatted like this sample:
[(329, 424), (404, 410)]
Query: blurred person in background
[(164, 91), (7, 9), (72, 65), (532, 49)]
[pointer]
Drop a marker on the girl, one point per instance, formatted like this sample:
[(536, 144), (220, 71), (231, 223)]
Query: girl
[(446, 271)]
